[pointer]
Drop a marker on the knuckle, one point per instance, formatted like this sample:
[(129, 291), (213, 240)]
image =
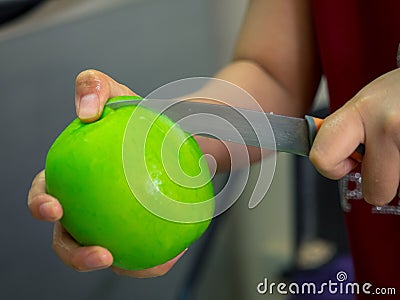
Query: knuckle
[(77, 265), (73, 259), (37, 199), (34, 202), (360, 101), (67, 255), (319, 161), (88, 78), (85, 74), (391, 124)]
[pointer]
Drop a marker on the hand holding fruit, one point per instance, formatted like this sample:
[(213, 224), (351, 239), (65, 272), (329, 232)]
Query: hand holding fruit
[(93, 89)]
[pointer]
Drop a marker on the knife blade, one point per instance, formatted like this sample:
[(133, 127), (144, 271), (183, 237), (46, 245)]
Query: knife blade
[(249, 127)]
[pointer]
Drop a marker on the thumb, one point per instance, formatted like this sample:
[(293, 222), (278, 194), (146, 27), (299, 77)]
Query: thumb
[(336, 140), (92, 90)]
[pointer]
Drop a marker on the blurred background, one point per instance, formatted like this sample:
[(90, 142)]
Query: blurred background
[(143, 44)]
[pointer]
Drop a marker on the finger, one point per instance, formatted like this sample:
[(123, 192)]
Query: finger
[(82, 259), (380, 170), (93, 89), (336, 140), (151, 272), (41, 205)]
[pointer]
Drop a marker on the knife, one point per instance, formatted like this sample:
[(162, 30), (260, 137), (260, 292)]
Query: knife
[(249, 127)]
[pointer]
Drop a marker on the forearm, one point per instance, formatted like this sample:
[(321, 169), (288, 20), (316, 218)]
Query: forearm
[(275, 61), (269, 95), (269, 92)]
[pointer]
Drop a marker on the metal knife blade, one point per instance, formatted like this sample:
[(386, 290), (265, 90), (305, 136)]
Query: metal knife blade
[(253, 128)]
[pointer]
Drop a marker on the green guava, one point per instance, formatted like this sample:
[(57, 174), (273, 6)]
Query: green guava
[(103, 190)]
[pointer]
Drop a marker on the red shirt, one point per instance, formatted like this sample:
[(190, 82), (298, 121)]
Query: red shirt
[(358, 41)]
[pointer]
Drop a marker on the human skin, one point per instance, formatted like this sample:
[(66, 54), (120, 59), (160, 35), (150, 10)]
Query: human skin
[(372, 116), (281, 70)]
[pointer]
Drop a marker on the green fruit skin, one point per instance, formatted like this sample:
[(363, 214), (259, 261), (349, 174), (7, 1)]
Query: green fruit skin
[(84, 171)]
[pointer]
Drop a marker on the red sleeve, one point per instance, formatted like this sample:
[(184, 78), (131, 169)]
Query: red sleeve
[(358, 42)]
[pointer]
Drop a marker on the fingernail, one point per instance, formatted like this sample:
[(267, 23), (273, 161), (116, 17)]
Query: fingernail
[(96, 260), (88, 106), (48, 210)]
